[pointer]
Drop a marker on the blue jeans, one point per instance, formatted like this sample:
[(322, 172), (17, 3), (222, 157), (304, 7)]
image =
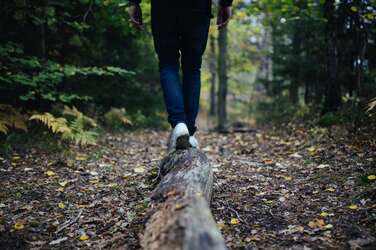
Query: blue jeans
[(180, 36)]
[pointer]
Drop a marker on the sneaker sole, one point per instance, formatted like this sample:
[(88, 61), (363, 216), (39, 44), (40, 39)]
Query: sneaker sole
[(182, 142)]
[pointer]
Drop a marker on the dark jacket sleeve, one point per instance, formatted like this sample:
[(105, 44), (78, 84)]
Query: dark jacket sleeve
[(226, 2), (134, 1)]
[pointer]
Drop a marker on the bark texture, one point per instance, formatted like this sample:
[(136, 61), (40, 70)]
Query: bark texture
[(179, 216)]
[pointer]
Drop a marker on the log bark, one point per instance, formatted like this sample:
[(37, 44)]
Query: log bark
[(180, 216)]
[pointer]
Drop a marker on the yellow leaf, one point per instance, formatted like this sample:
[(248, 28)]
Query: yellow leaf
[(287, 178), (50, 173), (353, 206), (328, 226), (18, 226), (63, 183), (316, 223), (370, 16), (311, 149), (139, 170), (84, 237), (60, 189), (354, 9), (81, 157), (371, 177), (61, 205), (234, 221), (324, 214), (330, 189)]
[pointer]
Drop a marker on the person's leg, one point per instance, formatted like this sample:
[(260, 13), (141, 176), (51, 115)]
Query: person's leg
[(194, 35), (166, 42)]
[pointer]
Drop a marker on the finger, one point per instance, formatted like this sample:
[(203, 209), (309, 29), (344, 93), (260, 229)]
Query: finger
[(222, 25), (134, 21)]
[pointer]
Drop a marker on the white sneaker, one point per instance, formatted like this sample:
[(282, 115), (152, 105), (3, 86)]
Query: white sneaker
[(193, 141), (179, 138)]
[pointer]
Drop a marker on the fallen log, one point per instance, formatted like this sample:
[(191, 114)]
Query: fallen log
[(180, 216)]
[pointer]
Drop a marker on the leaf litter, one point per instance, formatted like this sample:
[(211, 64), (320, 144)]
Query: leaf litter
[(273, 189)]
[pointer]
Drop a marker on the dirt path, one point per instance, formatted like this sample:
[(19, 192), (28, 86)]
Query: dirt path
[(306, 189)]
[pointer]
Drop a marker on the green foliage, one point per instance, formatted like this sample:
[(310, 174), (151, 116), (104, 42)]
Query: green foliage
[(329, 119), (36, 79), (154, 120)]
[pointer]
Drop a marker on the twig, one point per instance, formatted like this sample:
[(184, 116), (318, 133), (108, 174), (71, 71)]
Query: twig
[(68, 223), (87, 12)]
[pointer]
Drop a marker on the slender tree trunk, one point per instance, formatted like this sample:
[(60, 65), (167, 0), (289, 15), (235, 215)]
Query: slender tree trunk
[(361, 38), (333, 91), (43, 49), (222, 73), (295, 74), (213, 76)]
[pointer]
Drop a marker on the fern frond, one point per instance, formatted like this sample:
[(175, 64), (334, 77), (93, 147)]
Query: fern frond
[(10, 117), (74, 112), (371, 105), (3, 128), (56, 125)]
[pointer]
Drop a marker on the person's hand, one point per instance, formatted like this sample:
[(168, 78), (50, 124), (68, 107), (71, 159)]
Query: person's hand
[(135, 15), (223, 17)]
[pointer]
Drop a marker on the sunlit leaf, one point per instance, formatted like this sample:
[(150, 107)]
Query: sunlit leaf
[(50, 173), (19, 226), (371, 177), (84, 237), (353, 206), (234, 221)]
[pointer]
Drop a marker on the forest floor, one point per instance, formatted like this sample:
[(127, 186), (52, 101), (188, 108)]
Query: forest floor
[(297, 189)]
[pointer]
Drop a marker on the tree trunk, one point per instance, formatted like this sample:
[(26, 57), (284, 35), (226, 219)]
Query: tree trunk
[(180, 217), (295, 72), (213, 75), (222, 73), (333, 91)]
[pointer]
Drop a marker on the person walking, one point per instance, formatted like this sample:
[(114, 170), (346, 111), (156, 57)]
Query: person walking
[(180, 32)]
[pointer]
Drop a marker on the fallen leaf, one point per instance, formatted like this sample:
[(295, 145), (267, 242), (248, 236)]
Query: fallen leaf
[(81, 157), (287, 178), (58, 241), (234, 221), (353, 206), (296, 155), (328, 226), (371, 177), (61, 205), (139, 170), (19, 226), (316, 223), (63, 183), (324, 214), (84, 237), (50, 173), (330, 189), (60, 189), (93, 173)]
